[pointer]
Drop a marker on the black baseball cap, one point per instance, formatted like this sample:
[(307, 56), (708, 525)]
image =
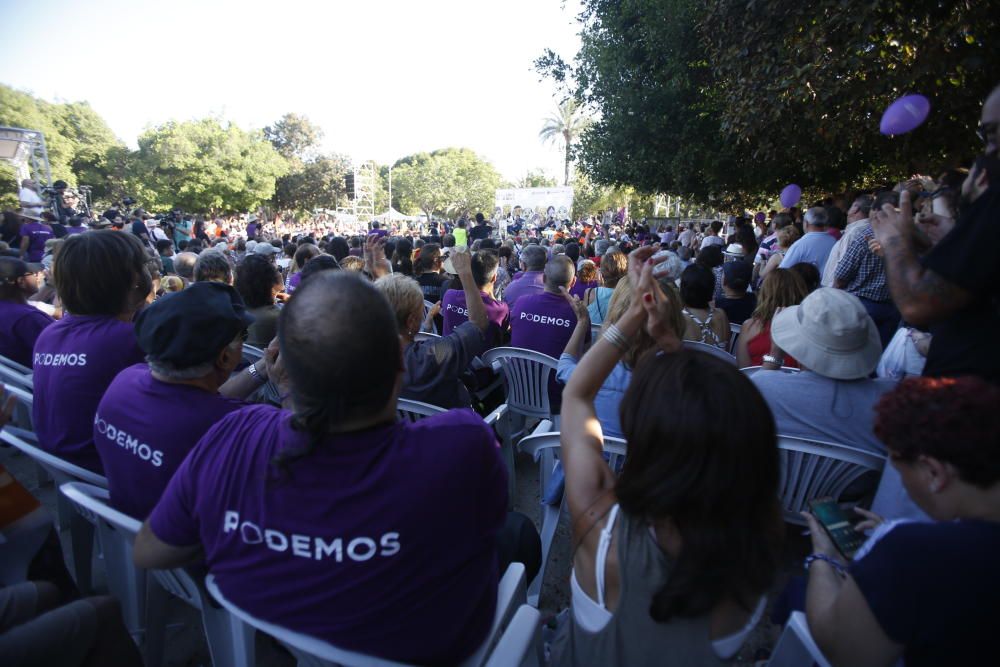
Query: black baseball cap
[(190, 327), (12, 268)]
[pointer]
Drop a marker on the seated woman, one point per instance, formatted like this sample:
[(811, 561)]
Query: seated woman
[(587, 277), (925, 592), (781, 288), (305, 252), (433, 368), (674, 557), (102, 280), (703, 322), (597, 299), (258, 282), (784, 238)]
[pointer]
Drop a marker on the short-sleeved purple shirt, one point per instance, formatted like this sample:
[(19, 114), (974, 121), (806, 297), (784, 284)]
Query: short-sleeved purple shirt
[(544, 323), (20, 326), (454, 311), (381, 541), (144, 428), (75, 360), (529, 282), (38, 234)]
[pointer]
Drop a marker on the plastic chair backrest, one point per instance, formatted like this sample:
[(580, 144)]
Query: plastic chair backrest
[(710, 349), (252, 354), (16, 378), (750, 370), (815, 469), (521, 643), (734, 335), (796, 647), (22, 423), (61, 471), (427, 308), (526, 379), (425, 335), (13, 365), (312, 651), (410, 410)]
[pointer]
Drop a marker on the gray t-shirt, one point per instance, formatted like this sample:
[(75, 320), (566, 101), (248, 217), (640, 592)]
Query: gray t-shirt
[(433, 367), (808, 405)]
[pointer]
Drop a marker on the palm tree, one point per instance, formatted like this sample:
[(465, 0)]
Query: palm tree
[(566, 124)]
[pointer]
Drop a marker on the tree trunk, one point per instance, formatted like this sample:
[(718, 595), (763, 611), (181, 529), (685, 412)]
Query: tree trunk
[(566, 177)]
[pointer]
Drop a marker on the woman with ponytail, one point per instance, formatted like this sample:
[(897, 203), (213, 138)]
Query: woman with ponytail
[(671, 559)]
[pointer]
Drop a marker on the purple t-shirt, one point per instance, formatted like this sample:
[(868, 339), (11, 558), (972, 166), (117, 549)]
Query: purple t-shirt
[(544, 323), (454, 312), (579, 288), (529, 282), (20, 326), (38, 235), (294, 280), (144, 428), (381, 541), (75, 360)]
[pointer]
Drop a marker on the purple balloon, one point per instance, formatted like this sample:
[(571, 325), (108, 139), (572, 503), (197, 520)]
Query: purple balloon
[(905, 115), (790, 195)]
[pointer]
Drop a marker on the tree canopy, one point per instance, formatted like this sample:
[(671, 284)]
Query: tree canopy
[(726, 100), (204, 165), (445, 182)]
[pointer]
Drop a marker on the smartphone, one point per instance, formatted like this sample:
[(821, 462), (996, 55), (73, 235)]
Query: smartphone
[(837, 525)]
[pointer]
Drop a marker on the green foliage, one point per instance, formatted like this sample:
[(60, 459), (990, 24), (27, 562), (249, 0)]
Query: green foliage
[(726, 101), (294, 137), (318, 183), (204, 165), (536, 178), (82, 148), (446, 182)]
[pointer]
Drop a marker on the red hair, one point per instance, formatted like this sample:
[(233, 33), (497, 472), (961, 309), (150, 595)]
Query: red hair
[(955, 420)]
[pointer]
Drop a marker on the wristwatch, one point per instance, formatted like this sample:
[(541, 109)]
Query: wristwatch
[(769, 359)]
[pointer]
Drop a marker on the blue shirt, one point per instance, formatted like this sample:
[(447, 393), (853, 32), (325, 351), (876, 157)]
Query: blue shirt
[(609, 396), (814, 248)]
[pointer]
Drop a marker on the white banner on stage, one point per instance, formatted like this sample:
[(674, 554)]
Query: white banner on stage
[(539, 200)]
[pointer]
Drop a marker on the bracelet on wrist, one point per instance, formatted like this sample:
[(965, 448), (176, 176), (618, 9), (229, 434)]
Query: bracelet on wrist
[(615, 336), (771, 359), (255, 374), (833, 562)]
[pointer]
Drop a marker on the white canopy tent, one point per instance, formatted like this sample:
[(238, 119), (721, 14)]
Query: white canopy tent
[(395, 216)]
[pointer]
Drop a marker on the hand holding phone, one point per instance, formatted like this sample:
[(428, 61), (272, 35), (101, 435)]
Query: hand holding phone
[(837, 525)]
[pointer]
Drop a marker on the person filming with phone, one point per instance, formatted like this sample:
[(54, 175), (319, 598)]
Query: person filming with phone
[(925, 592)]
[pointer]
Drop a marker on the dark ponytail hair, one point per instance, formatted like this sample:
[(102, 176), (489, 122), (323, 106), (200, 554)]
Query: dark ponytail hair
[(717, 483), (339, 344)]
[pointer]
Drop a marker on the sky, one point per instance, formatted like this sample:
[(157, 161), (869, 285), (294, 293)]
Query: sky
[(382, 78)]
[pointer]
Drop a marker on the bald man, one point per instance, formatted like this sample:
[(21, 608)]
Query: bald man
[(544, 322)]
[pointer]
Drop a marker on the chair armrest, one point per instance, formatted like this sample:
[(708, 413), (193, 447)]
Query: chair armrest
[(495, 416), (511, 593)]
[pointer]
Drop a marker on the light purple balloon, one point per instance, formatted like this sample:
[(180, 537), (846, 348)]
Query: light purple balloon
[(905, 115), (790, 195)]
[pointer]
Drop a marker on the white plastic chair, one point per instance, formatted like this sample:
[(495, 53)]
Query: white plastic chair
[(17, 378), (734, 335), (526, 376), (750, 370), (815, 469), (316, 652), (795, 647), (544, 446), (252, 354), (81, 530), (425, 335), (21, 423), (521, 644), (229, 641), (10, 363), (410, 410), (710, 349), (427, 308)]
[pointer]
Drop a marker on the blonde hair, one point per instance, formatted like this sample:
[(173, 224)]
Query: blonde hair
[(786, 236), (404, 295), (780, 289), (352, 263), (621, 301), (171, 284), (614, 264)]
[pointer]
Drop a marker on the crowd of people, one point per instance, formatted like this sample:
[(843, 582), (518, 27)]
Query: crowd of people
[(866, 319)]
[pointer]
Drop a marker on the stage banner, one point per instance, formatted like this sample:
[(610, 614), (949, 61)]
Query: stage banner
[(552, 202)]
